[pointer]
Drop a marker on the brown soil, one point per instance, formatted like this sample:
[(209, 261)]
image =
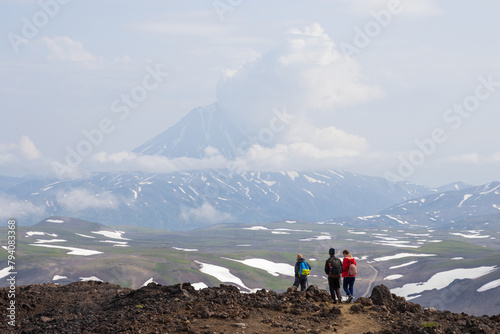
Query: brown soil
[(95, 307)]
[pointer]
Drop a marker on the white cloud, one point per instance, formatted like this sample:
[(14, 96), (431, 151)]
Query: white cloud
[(28, 149), (182, 28), (409, 8), (81, 199), (130, 161), (25, 150), (307, 74), (63, 48), (495, 157), (14, 208), (205, 214), (466, 158), (331, 138)]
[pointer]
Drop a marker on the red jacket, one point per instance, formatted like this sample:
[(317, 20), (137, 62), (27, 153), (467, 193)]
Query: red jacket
[(345, 266)]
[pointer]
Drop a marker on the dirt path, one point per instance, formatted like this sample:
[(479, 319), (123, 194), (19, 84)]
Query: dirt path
[(372, 281), (356, 323)]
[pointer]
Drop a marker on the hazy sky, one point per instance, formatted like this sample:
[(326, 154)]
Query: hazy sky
[(401, 89)]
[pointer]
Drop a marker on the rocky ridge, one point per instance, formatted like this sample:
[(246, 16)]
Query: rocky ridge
[(96, 307)]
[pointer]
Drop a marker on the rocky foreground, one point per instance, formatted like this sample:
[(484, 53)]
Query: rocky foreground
[(95, 307)]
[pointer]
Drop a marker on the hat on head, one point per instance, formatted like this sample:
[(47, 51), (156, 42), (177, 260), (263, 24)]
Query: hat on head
[(331, 251)]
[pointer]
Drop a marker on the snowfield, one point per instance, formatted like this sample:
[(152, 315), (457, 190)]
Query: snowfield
[(4, 272), (199, 285), (72, 250), (31, 233), (222, 274), (112, 234), (489, 286), (442, 280), (91, 278), (185, 249), (403, 265), (273, 268), (400, 256)]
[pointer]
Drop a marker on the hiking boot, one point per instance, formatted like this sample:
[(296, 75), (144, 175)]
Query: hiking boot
[(350, 299)]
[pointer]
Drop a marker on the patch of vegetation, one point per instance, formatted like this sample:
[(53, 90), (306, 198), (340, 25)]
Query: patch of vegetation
[(457, 248), (430, 324)]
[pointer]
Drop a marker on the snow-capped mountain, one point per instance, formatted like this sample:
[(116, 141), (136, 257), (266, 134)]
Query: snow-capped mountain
[(444, 209), (454, 205), (193, 199), (201, 128), (182, 201)]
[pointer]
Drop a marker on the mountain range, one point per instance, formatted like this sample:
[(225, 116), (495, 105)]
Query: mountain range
[(198, 198), (437, 246)]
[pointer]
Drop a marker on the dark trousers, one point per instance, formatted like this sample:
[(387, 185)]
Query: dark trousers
[(302, 281), (334, 285), (349, 285)]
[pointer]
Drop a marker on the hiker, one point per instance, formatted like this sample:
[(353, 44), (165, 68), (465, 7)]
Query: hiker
[(349, 274), (302, 270), (333, 269)]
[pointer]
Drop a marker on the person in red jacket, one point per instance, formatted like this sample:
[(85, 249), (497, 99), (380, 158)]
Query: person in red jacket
[(348, 279)]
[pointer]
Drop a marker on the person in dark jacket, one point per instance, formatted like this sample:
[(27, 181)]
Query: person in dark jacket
[(334, 275), (348, 279), (300, 279)]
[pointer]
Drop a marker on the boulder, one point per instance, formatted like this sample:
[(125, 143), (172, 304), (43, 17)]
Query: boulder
[(381, 295)]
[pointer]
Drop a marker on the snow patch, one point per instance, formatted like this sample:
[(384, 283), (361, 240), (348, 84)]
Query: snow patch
[(111, 234), (59, 277), (442, 280), (148, 281), (272, 268), (319, 237), (31, 233), (293, 175), (222, 274), (185, 249), (85, 236), (472, 235), (199, 285), (115, 242), (91, 278), (4, 272), (42, 241), (312, 180), (256, 228), (354, 232), (398, 220), (466, 197), (400, 256), (403, 265), (489, 286), (72, 250), (56, 221)]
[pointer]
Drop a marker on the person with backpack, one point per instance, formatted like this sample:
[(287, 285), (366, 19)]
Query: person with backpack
[(333, 269), (302, 271), (349, 271)]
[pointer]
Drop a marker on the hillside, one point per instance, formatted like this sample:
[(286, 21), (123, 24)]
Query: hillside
[(435, 268), (194, 199), (95, 307)]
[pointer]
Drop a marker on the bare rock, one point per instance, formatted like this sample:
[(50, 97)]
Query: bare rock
[(381, 295)]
